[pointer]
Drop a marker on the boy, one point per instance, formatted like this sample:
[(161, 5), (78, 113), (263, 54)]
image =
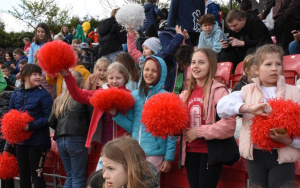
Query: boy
[(10, 79)]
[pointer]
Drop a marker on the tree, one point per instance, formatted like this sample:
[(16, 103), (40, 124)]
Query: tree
[(47, 11), (2, 25)]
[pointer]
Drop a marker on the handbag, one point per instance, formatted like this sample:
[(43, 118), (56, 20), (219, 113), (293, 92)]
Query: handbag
[(224, 151)]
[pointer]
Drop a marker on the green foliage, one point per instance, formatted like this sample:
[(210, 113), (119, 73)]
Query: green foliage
[(13, 40), (47, 11)]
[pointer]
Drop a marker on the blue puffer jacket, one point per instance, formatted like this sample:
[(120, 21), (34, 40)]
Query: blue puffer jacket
[(151, 12), (132, 121), (38, 102)]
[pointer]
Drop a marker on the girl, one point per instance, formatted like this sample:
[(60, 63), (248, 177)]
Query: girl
[(201, 97), (70, 120), (9, 58), (42, 35), (31, 153), (125, 165), (159, 152), (248, 73), (134, 76), (59, 80), (18, 55), (265, 169), (27, 43), (98, 79), (101, 130)]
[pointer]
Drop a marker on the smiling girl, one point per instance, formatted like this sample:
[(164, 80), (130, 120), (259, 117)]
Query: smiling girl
[(159, 152), (98, 78), (265, 169), (201, 97), (42, 35), (34, 99)]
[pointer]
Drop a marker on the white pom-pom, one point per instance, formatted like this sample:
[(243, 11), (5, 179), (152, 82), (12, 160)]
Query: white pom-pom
[(131, 14)]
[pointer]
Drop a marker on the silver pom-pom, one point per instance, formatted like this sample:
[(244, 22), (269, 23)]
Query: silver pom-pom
[(131, 14)]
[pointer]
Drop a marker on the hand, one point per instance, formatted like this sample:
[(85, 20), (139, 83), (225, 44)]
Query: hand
[(190, 134), (178, 29), (26, 128), (282, 138), (129, 29), (260, 16), (237, 43), (165, 166), (224, 43), (113, 112), (296, 35), (262, 109), (64, 72), (13, 66), (18, 76), (185, 34)]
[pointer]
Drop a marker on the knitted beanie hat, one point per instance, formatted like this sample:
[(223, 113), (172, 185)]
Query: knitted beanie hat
[(153, 44)]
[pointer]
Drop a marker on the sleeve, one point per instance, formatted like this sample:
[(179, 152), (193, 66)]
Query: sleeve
[(46, 106), (80, 95), (121, 33), (214, 10), (291, 9), (125, 121), (217, 46), (52, 121), (170, 148), (260, 32), (30, 56), (133, 51), (3, 83), (200, 42), (173, 46), (12, 100), (230, 104), (172, 13)]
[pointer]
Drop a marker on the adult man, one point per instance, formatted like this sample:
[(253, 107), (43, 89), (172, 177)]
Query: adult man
[(247, 32)]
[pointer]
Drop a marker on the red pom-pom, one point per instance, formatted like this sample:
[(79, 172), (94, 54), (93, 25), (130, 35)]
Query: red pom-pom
[(8, 166), (112, 98), (165, 114), (13, 124), (285, 114), (56, 55)]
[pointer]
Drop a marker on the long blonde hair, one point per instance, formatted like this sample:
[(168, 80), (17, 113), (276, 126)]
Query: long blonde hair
[(64, 102), (128, 152), (212, 59), (120, 68)]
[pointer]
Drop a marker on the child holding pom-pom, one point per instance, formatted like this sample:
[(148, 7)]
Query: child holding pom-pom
[(104, 129), (34, 99), (160, 152), (201, 97), (265, 169)]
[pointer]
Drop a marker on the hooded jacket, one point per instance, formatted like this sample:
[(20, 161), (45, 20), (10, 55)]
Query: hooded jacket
[(212, 40), (224, 128), (152, 145), (151, 12), (212, 8)]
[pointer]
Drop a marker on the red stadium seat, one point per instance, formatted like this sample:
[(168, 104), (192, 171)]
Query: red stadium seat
[(239, 68), (224, 72), (292, 63), (290, 77), (234, 79)]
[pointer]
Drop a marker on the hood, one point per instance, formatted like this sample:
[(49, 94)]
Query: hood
[(163, 75), (148, 6), (215, 28), (208, 2)]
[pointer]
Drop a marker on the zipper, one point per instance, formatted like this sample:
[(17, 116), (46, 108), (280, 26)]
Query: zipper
[(140, 134)]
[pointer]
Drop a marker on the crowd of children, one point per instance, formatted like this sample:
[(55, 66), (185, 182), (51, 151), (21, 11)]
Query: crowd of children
[(131, 156)]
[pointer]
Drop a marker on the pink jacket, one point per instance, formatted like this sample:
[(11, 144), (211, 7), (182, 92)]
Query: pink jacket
[(224, 128), (133, 51), (252, 94), (83, 96)]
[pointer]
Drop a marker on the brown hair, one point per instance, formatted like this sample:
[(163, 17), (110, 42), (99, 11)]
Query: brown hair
[(207, 19), (183, 56), (18, 51), (128, 152), (247, 64), (261, 52), (120, 68), (212, 59), (129, 63), (47, 34), (62, 30), (78, 52), (234, 15), (101, 61), (28, 70)]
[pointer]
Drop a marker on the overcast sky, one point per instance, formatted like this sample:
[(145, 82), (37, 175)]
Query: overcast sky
[(81, 8)]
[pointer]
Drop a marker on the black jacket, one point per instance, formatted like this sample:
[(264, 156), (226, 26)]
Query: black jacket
[(74, 123), (111, 36)]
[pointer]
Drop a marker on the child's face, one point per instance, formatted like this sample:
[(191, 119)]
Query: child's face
[(40, 32), (101, 71), (5, 72), (16, 56), (207, 27), (7, 57), (33, 80), (146, 51), (150, 72), (115, 79), (114, 173), (270, 69), (200, 67)]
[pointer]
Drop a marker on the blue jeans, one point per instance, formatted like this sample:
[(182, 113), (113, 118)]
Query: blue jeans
[(294, 48), (74, 156)]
